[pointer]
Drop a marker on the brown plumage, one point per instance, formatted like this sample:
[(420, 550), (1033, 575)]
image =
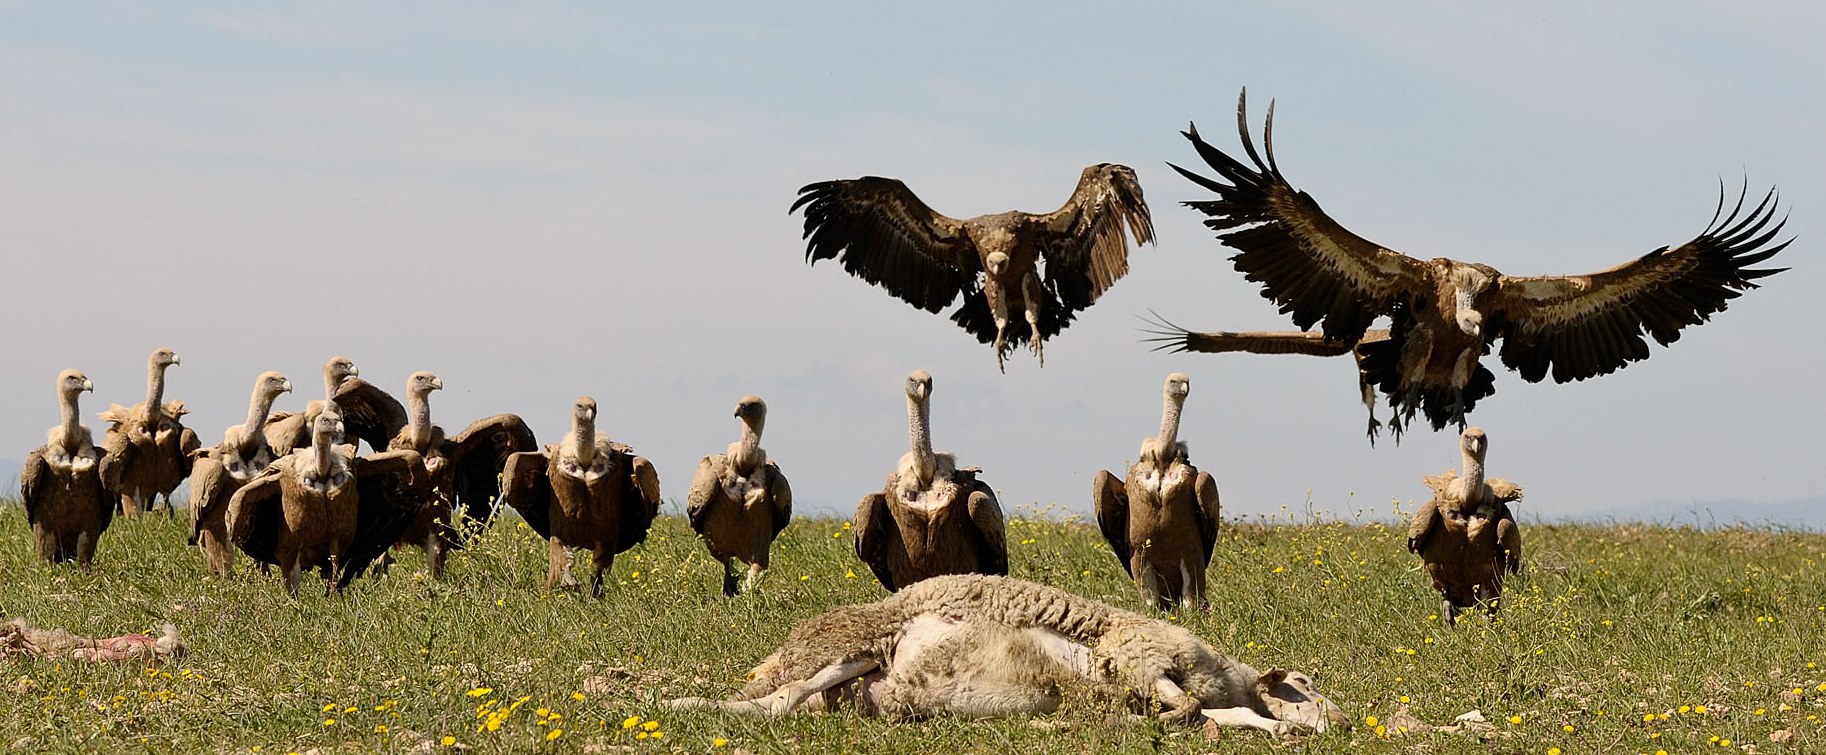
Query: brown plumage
[(367, 412), (1447, 313), (323, 507), (65, 503), (1161, 519), (586, 492), (880, 232), (1466, 536), (148, 445), (932, 517), (1170, 337), (465, 471), (218, 472), (739, 501)]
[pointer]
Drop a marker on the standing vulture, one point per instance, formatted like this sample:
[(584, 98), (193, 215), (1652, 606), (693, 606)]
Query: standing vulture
[(1171, 337), (367, 411), (65, 503), (1445, 314), (586, 492), (1465, 535), (885, 235), (465, 470), (1161, 520), (220, 471), (148, 447), (323, 507), (739, 501), (933, 517)]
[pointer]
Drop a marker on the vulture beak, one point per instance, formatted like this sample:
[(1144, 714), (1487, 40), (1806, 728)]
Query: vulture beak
[(174, 359), (87, 385), (437, 384), (353, 372), (285, 387)]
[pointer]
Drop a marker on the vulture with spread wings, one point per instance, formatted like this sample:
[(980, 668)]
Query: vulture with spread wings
[(1446, 314), (883, 234)]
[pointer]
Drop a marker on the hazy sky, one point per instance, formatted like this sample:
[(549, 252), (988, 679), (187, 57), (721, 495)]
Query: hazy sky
[(540, 201)]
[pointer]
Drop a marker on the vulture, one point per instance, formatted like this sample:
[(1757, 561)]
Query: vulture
[(323, 507), (1466, 535), (739, 501), (465, 470), (218, 472), (1161, 520), (148, 447), (1171, 337), (65, 502), (932, 517), (885, 235), (585, 492), (366, 410), (1444, 313)]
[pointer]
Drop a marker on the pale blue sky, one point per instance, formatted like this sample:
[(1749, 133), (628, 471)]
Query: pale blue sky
[(538, 202)]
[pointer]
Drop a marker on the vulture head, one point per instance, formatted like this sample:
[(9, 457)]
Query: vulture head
[(1474, 443), (996, 263), (751, 408), (270, 384), (1178, 387), (327, 427), (71, 383), (919, 385), (338, 369), (584, 411), (422, 383), (164, 358)]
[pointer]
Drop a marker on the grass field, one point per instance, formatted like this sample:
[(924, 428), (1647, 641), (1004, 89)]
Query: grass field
[(1614, 640)]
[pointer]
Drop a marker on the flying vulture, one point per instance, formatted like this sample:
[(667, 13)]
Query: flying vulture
[(885, 235), (1444, 313)]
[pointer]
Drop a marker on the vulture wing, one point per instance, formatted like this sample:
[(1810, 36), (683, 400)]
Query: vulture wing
[(1581, 326), (1207, 513), (987, 515), (1315, 269), (208, 484), (1110, 499), (480, 454), (525, 487), (781, 494), (255, 512), (368, 412), (639, 503), (875, 532), (120, 452), (1426, 522), (1504, 490), (1170, 337), (1509, 540), (883, 234), (32, 479), (706, 490), (1087, 250), (390, 487), (286, 432)]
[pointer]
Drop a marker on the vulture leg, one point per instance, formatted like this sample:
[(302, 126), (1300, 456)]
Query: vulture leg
[(1001, 348), (435, 551), (558, 574), (603, 559), (294, 573), (731, 581), (1030, 291), (755, 570), (1449, 613), (85, 550)]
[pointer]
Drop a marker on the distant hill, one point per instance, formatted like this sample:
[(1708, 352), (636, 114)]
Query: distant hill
[(1800, 513)]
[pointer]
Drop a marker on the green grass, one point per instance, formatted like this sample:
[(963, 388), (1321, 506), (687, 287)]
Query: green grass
[(1607, 627)]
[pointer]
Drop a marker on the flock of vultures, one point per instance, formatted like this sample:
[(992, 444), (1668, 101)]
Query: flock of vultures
[(291, 490)]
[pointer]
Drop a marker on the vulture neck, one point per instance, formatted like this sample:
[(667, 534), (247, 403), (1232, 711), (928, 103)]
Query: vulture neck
[(257, 409), (71, 426), (155, 388), (747, 454), (330, 382), (583, 436), (925, 464), (322, 444), (421, 418), (1166, 446), (1474, 475)]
